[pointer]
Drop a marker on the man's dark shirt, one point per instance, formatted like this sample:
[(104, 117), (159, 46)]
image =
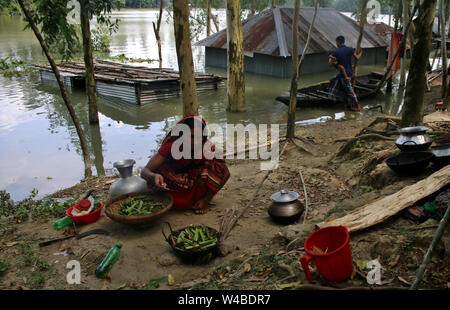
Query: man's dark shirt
[(344, 56)]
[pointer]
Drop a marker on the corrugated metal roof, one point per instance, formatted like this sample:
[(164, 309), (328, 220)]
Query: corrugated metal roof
[(270, 32)]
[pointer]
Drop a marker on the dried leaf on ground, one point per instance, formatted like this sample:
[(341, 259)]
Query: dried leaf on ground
[(247, 267)]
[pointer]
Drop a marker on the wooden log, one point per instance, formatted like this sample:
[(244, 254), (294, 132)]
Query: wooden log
[(380, 210)]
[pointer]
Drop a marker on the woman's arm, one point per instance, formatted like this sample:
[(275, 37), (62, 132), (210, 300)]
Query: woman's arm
[(148, 174)]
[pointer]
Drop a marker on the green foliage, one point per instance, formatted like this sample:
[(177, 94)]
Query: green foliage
[(41, 209), (367, 188), (9, 7), (4, 265), (10, 66), (100, 40), (124, 58), (154, 283), (64, 37)]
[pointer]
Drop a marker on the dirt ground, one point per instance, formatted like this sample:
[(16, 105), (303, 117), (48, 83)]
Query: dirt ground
[(259, 253)]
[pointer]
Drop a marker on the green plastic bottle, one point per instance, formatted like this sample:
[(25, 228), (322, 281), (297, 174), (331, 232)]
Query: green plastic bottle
[(108, 262), (62, 222)]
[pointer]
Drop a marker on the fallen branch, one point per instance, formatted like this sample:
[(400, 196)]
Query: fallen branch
[(192, 283), (365, 137), (348, 145), (379, 210), (437, 237), (228, 226), (306, 196), (301, 147)]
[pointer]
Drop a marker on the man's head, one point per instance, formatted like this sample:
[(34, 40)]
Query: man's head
[(340, 40)]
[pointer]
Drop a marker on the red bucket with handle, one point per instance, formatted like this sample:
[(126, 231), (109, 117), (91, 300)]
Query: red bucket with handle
[(329, 249)]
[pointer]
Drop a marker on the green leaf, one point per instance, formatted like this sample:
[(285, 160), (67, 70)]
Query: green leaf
[(154, 283)]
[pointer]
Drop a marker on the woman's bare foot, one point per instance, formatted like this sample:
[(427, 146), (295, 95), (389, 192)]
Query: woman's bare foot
[(201, 206)]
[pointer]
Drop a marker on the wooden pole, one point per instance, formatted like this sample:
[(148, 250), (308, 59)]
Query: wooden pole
[(208, 18), (89, 62), (290, 134), (156, 30), (400, 46), (184, 56), (235, 72), (443, 23), (436, 239), (405, 34), (389, 83), (362, 22), (76, 121)]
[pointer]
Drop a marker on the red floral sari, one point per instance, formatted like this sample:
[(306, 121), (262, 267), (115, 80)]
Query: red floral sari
[(190, 179)]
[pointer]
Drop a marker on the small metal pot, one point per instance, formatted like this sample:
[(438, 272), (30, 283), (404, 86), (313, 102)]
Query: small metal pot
[(285, 207), (413, 139)]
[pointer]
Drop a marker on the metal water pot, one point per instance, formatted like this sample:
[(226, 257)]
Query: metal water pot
[(413, 139), (127, 183), (285, 207)]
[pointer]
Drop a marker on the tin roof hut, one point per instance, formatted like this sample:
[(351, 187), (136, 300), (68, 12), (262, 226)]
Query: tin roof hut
[(268, 41)]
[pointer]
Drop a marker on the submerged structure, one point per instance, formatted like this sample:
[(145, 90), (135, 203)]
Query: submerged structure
[(133, 84), (268, 41)]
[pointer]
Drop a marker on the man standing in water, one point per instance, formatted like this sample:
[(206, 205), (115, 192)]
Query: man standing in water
[(341, 83)]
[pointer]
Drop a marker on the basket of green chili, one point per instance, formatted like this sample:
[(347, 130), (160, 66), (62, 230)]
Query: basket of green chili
[(193, 243), (138, 208)]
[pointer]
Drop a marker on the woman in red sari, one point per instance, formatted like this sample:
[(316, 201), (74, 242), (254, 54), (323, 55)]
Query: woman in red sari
[(191, 182)]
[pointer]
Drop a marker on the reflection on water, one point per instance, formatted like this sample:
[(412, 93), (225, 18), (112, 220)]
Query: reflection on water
[(39, 143)]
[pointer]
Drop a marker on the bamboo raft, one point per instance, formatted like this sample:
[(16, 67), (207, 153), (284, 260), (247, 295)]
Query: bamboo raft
[(134, 84), (317, 94)]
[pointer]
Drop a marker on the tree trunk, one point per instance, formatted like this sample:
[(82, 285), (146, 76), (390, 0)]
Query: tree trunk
[(252, 7), (88, 62), (208, 18), (76, 121), (405, 18), (290, 134), (390, 16), (362, 21), (156, 29), (216, 24), (389, 83), (443, 22), (97, 148), (236, 76), (184, 56), (274, 3), (415, 88)]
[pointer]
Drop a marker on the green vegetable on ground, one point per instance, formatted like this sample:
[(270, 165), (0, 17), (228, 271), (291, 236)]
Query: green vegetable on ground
[(139, 205), (196, 238)]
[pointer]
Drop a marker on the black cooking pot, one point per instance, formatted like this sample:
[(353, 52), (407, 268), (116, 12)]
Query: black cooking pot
[(285, 207), (413, 139), (191, 256), (441, 155), (410, 162)]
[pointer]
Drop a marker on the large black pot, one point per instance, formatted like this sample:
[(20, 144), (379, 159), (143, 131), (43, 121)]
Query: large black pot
[(441, 155), (410, 162), (413, 139)]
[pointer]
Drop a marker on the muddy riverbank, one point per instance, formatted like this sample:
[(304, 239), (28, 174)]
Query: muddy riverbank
[(258, 253)]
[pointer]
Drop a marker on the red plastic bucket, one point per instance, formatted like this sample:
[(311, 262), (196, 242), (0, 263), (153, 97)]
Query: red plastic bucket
[(86, 218), (336, 263)]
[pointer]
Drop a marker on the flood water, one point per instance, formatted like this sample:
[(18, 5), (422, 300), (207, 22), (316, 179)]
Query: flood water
[(39, 145)]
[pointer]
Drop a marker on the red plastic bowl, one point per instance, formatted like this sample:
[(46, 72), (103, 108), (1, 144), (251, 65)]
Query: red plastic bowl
[(87, 218)]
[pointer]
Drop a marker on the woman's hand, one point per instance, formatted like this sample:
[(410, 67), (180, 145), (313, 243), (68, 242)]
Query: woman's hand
[(159, 181)]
